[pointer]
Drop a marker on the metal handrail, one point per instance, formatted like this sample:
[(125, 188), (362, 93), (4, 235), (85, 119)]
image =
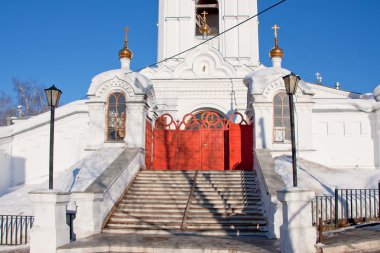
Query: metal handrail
[(185, 214)]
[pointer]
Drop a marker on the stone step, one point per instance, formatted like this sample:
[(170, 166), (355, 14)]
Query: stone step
[(149, 213), (144, 226), (258, 221), (199, 182), (251, 233), (197, 213), (222, 201), (162, 201), (194, 217), (156, 197), (254, 227), (197, 187), (172, 221), (232, 191), (225, 176), (167, 172), (152, 205), (223, 195), (223, 206), (197, 195), (163, 191), (223, 210), (193, 208)]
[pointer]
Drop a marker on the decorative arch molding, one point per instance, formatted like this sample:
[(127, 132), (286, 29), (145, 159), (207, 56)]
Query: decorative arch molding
[(208, 57), (114, 84), (271, 89), (204, 61)]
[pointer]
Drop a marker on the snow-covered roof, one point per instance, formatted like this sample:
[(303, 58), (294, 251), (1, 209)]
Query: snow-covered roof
[(259, 79)]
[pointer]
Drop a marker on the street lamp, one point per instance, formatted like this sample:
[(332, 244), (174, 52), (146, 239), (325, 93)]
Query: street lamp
[(52, 95), (291, 83)]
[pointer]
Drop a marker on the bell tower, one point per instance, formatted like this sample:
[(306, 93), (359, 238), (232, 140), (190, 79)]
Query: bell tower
[(185, 23)]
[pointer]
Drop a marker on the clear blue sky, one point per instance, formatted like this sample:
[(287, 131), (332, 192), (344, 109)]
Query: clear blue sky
[(67, 42)]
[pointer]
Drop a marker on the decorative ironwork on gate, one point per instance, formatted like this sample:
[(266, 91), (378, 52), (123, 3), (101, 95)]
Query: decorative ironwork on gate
[(201, 120), (204, 140)]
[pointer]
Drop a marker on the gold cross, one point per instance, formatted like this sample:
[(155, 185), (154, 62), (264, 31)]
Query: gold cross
[(204, 13), (126, 29), (275, 28)]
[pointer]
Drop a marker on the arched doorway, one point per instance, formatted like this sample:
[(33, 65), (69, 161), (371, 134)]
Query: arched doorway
[(202, 141)]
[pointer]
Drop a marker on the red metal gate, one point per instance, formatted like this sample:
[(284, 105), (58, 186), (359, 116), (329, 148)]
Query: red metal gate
[(204, 141)]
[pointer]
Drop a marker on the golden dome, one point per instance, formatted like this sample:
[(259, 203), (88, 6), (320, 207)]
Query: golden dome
[(276, 52), (205, 29), (125, 52)]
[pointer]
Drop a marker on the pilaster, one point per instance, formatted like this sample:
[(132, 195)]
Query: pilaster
[(137, 110), (97, 124)]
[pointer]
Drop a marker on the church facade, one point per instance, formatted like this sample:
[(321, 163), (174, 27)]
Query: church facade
[(219, 84)]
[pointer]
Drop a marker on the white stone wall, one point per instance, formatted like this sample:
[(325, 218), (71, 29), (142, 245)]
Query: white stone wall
[(344, 139), (26, 158), (179, 97)]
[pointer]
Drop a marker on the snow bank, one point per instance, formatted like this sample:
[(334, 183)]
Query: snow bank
[(15, 200), (324, 180)]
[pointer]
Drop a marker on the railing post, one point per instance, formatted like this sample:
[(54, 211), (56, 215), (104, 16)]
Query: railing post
[(297, 220), (336, 207), (49, 229), (378, 188), (320, 231), (88, 219)]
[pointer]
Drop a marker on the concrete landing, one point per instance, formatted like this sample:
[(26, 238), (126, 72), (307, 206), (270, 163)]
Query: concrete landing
[(170, 243), (363, 238)]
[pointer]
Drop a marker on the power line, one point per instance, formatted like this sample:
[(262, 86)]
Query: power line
[(205, 41)]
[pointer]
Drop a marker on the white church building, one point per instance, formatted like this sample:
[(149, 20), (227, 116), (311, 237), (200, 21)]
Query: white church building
[(219, 84), (334, 127)]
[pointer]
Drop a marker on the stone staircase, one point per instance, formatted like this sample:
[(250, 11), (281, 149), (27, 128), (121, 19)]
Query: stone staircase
[(169, 202)]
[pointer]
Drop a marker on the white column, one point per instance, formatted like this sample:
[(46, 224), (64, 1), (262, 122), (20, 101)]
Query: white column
[(297, 235), (88, 219), (97, 124), (263, 125), (376, 125), (135, 123), (49, 229)]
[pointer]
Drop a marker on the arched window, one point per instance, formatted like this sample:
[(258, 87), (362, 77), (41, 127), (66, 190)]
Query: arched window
[(116, 117), (281, 118), (211, 7)]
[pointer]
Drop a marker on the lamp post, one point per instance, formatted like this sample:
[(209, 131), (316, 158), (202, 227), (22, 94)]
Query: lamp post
[(52, 95), (291, 83)]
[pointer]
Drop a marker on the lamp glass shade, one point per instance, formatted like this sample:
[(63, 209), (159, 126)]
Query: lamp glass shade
[(53, 95), (291, 83)]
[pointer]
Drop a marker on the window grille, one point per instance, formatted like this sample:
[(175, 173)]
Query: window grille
[(281, 118), (116, 117)]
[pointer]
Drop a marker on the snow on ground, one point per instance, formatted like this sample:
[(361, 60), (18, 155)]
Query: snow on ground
[(15, 200), (324, 180)]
